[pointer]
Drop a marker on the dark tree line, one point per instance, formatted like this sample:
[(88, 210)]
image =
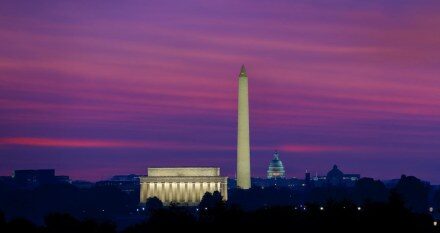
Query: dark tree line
[(368, 206), (56, 223), (214, 215), (97, 202), (414, 193)]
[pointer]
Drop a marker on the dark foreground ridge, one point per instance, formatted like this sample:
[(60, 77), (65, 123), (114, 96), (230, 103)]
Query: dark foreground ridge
[(218, 217), (410, 206)]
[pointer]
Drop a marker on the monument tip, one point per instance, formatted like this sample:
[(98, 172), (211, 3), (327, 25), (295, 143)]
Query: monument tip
[(243, 71)]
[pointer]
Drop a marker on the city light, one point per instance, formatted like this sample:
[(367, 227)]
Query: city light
[(435, 223), (359, 208), (321, 208)]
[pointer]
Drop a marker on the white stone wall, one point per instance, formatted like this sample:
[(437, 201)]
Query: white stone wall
[(183, 171)]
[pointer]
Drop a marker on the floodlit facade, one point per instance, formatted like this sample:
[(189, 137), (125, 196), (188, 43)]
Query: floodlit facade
[(184, 185)]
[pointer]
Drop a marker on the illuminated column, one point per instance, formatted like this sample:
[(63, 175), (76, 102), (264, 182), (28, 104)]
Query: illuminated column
[(193, 192), (243, 144), (178, 191), (143, 198), (155, 190), (212, 187), (171, 192), (224, 191), (167, 191), (185, 193), (200, 192), (162, 191), (197, 192), (181, 192), (203, 189), (149, 189)]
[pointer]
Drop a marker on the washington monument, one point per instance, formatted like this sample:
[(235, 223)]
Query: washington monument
[(243, 147)]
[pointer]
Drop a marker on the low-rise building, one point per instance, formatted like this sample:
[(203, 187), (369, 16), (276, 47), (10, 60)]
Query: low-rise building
[(182, 185)]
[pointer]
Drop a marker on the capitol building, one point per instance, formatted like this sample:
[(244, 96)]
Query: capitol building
[(276, 168)]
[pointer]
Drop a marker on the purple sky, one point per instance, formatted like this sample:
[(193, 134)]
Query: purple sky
[(97, 88)]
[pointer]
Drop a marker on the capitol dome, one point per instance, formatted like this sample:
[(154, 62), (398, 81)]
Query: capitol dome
[(276, 168)]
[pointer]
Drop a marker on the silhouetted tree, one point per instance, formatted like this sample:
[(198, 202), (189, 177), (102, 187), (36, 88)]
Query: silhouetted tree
[(210, 201), (153, 204), (2, 222), (60, 223), (36, 203), (170, 219), (333, 217), (21, 225), (256, 197), (414, 193), (65, 223), (369, 190), (328, 193)]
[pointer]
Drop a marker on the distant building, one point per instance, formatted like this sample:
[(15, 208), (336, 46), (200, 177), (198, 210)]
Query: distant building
[(6, 180), (185, 186), (307, 179), (81, 184), (126, 183), (276, 168), (335, 177), (293, 183), (62, 180), (319, 181), (33, 178), (126, 178)]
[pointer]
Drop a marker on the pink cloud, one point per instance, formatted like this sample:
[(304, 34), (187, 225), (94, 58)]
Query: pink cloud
[(98, 143), (309, 148)]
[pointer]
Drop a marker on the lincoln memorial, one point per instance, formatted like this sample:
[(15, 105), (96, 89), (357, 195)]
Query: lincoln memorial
[(182, 185)]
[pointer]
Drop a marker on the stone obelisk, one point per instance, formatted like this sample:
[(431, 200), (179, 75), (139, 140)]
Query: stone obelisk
[(243, 147)]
